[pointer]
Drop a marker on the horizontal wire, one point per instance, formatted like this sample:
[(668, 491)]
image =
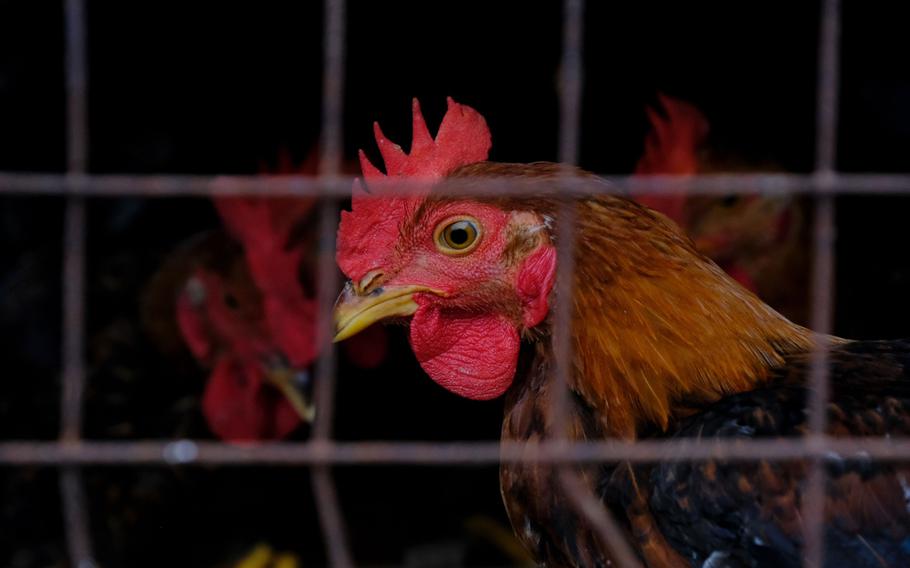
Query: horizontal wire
[(111, 185), (189, 452)]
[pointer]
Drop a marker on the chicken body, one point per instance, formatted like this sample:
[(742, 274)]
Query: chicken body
[(665, 344)]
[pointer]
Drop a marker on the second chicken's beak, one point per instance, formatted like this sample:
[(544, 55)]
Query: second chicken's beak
[(355, 312), (295, 384)]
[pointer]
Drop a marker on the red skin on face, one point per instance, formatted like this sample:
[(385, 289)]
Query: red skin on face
[(459, 342)]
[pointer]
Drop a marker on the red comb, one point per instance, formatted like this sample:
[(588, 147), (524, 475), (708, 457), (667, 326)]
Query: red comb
[(266, 222), (463, 138), (671, 148)]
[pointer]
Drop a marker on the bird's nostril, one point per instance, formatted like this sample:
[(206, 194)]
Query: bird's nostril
[(371, 281)]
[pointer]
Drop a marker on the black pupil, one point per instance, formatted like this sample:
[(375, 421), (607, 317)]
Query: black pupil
[(458, 236)]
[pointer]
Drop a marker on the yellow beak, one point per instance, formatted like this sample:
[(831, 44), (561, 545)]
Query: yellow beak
[(287, 381), (355, 312)]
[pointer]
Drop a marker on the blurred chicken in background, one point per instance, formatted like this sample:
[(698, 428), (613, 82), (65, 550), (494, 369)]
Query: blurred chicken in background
[(244, 304), (761, 241)]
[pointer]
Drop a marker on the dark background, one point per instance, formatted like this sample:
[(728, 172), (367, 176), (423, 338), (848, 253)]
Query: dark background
[(209, 88)]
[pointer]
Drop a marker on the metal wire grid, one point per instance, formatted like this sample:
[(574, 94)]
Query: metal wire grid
[(321, 452)]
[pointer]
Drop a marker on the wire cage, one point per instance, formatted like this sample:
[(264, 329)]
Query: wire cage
[(70, 453)]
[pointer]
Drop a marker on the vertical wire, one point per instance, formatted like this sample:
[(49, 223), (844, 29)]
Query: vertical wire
[(331, 145), (72, 491), (571, 70), (324, 390), (579, 494), (74, 226), (570, 90), (75, 518), (823, 272)]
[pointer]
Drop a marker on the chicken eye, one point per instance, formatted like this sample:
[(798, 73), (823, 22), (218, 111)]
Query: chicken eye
[(231, 301), (458, 236)]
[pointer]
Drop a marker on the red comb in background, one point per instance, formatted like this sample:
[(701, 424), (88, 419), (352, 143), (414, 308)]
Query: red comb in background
[(267, 222), (671, 147), (463, 138), (264, 227)]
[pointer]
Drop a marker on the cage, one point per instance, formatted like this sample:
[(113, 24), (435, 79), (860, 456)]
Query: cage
[(122, 123)]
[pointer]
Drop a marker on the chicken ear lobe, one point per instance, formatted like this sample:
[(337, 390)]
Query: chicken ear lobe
[(469, 354)]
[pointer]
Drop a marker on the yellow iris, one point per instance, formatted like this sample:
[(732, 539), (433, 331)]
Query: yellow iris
[(458, 236)]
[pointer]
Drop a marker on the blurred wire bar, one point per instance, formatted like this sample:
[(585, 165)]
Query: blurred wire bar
[(192, 453), (331, 146), (72, 490), (571, 82), (823, 238), (340, 186)]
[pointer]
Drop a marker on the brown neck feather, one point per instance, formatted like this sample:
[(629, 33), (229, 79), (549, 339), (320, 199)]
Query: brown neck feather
[(660, 329)]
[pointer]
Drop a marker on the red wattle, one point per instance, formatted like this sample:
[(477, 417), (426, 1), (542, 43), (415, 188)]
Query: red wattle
[(472, 355), (238, 407)]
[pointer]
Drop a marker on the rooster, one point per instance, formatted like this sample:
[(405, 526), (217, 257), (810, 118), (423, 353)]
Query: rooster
[(204, 298), (665, 345), (245, 309), (761, 241)]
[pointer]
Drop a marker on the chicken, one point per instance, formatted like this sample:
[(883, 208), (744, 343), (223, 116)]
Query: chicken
[(245, 309), (761, 241), (253, 392), (665, 345)]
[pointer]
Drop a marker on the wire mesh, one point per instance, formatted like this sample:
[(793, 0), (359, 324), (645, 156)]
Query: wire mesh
[(69, 453)]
